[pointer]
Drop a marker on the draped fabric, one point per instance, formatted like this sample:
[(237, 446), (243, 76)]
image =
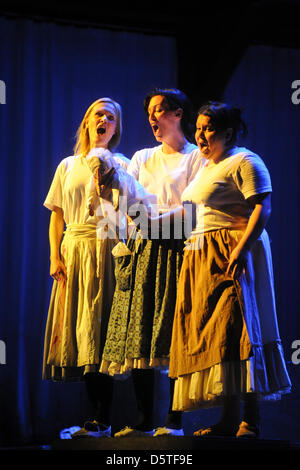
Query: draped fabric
[(52, 73)]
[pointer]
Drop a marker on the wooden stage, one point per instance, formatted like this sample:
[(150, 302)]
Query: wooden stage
[(173, 444)]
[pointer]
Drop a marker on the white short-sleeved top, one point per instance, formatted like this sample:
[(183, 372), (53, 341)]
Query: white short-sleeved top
[(70, 187), (166, 175), (220, 191)]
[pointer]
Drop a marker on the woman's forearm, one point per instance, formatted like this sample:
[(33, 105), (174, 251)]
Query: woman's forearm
[(256, 224), (175, 215), (155, 225), (56, 229)]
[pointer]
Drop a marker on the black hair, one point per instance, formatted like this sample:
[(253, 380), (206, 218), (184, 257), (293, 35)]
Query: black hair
[(176, 99), (224, 116)]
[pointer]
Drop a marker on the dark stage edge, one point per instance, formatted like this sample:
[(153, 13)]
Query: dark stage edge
[(172, 444)]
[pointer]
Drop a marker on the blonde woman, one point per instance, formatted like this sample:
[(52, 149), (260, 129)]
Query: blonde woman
[(78, 312)]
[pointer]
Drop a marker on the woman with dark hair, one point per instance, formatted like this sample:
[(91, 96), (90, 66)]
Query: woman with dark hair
[(147, 270), (225, 342), (175, 100)]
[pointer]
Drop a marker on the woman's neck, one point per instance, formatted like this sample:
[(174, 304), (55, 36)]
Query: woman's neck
[(174, 145), (222, 156)]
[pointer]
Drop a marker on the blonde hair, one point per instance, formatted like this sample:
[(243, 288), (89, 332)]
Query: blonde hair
[(83, 145)]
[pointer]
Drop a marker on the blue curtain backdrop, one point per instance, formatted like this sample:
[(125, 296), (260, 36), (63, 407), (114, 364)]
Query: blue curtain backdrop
[(52, 73)]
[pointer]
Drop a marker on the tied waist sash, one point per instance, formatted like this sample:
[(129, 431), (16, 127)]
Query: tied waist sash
[(89, 232)]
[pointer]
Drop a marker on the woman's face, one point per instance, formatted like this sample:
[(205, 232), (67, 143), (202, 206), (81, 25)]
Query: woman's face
[(163, 121), (212, 145), (101, 124)]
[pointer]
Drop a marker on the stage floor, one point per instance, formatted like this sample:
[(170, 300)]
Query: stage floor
[(163, 444), (144, 452), (172, 443)]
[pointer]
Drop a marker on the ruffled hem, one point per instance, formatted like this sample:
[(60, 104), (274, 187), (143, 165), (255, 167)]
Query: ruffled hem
[(264, 373), (123, 371)]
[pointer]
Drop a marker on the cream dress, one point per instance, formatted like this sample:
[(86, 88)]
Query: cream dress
[(78, 311)]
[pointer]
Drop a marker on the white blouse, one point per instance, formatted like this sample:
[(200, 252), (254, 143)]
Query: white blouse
[(220, 191), (166, 175), (71, 185)]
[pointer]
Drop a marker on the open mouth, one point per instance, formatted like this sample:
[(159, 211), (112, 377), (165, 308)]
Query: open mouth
[(101, 130), (203, 145), (155, 127)]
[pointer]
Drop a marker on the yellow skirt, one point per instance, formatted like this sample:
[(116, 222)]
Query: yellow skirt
[(79, 308)]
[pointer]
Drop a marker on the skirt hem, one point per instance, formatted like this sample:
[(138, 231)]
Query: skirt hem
[(123, 371), (263, 373)]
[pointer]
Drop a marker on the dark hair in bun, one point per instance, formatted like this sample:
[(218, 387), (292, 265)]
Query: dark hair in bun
[(224, 116), (175, 99)]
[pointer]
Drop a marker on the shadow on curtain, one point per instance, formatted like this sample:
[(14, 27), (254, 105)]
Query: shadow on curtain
[(51, 74)]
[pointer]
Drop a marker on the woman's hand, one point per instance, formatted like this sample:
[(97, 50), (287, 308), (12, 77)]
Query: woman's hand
[(58, 270), (237, 263)]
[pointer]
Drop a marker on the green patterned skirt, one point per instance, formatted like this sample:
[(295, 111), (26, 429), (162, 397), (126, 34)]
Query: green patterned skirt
[(140, 325)]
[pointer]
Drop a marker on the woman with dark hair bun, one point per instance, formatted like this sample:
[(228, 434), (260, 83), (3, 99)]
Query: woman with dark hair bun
[(175, 100), (223, 117), (139, 331), (225, 342)]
